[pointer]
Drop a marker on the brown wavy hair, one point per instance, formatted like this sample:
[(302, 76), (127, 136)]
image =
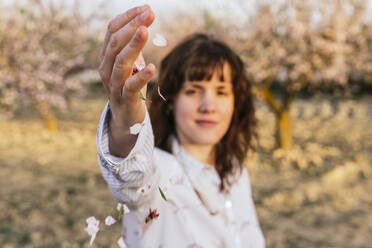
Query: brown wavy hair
[(196, 59)]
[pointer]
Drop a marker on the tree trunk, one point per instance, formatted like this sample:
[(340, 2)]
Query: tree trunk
[(285, 122), (50, 121), (284, 129)]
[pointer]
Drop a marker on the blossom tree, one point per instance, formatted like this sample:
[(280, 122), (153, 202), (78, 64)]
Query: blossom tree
[(42, 46), (305, 45)]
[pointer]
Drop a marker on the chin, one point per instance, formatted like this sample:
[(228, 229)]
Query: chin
[(205, 139)]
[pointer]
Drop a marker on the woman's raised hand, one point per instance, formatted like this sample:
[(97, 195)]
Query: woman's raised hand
[(126, 36)]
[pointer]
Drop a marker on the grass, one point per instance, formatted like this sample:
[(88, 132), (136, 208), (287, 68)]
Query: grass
[(315, 195)]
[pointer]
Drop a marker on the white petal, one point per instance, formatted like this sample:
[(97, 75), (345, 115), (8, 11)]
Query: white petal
[(118, 207), (126, 209), (92, 238), (140, 62), (92, 221), (160, 41), (109, 220), (136, 128), (121, 243), (162, 97), (91, 229)]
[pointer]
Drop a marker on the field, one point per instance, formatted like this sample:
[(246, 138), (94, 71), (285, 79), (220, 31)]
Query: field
[(316, 195)]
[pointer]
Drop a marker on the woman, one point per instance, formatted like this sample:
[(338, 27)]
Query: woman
[(202, 133)]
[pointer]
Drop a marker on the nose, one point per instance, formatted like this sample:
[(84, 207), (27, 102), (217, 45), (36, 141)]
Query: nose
[(207, 103)]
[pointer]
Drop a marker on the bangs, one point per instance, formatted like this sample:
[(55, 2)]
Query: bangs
[(203, 66)]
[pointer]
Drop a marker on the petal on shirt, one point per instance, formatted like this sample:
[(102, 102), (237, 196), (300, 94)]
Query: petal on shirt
[(144, 190)]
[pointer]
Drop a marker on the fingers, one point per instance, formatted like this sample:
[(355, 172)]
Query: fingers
[(123, 64), (135, 83), (121, 38), (118, 41), (118, 22)]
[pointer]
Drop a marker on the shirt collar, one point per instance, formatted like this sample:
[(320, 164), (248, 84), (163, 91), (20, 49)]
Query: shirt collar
[(191, 165)]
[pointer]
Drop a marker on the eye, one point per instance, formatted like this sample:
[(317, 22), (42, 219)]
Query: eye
[(190, 92), (222, 93)]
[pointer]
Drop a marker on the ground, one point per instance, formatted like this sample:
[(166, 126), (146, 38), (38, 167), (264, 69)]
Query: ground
[(315, 195)]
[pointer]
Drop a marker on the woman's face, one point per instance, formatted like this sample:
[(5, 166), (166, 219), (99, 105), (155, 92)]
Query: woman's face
[(203, 109)]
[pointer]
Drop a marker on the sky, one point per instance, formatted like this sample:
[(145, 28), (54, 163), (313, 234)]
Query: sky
[(160, 7), (222, 8)]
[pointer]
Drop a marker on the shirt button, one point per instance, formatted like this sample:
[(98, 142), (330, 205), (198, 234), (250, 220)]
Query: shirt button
[(228, 204)]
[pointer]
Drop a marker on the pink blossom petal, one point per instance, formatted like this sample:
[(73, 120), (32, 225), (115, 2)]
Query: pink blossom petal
[(109, 220), (160, 41), (121, 243), (162, 97)]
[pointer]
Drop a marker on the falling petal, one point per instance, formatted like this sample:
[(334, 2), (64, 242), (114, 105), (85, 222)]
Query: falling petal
[(118, 207), (92, 221), (162, 194), (109, 221), (121, 243), (160, 41), (92, 238), (92, 228), (162, 97)]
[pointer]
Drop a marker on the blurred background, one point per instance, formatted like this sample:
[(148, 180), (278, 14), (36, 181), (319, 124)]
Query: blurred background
[(310, 63)]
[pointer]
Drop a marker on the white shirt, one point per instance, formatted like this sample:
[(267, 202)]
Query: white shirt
[(195, 214)]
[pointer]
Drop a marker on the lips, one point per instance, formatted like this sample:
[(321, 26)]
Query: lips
[(206, 123)]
